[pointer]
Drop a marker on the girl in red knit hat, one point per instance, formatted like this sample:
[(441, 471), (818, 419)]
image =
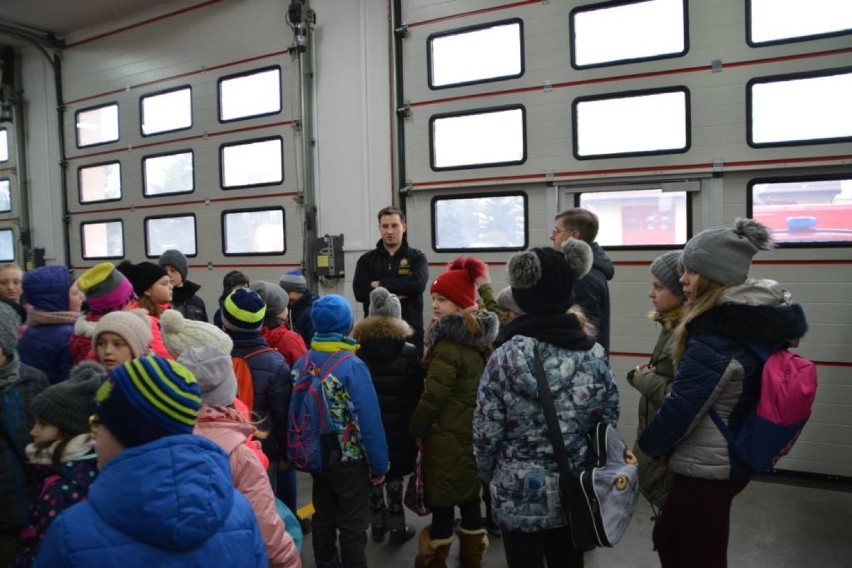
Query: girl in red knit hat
[(457, 346)]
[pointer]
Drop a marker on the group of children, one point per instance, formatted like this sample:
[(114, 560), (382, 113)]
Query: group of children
[(469, 407)]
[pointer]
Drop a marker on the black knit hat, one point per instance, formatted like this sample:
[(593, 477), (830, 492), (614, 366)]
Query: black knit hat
[(68, 405), (142, 275), (542, 279)]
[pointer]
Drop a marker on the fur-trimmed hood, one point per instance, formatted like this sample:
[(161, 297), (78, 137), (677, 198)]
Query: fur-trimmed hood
[(381, 338), (452, 327), (762, 324), (84, 326)]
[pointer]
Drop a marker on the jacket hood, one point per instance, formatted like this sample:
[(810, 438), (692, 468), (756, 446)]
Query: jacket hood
[(216, 425), (182, 492), (601, 261), (452, 327), (381, 338), (47, 288), (758, 311)]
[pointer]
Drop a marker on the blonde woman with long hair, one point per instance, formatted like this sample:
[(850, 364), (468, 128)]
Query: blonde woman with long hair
[(728, 320)]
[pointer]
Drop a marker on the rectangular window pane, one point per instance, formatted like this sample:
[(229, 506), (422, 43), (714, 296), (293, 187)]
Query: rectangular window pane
[(97, 125), (169, 173), (5, 195), (776, 21), (494, 222), (166, 112), (805, 211), (642, 123), (603, 34), (101, 182), (103, 239), (253, 94), (479, 138), (7, 245), (4, 145), (791, 110), (253, 163), (163, 233), (259, 231), (639, 217), (473, 55)]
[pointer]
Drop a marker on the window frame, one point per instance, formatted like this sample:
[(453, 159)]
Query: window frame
[(572, 26), (793, 179), (448, 197), (758, 44), (632, 94), (246, 142), (11, 231), (102, 222), (780, 79), (169, 216), (97, 107), (94, 165), (224, 232), (5, 132), (469, 29), (481, 110), (690, 228), (246, 74), (165, 92), (11, 201), (160, 155)]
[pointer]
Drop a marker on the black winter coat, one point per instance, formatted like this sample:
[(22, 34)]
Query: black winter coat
[(398, 380), (187, 302), (592, 294)]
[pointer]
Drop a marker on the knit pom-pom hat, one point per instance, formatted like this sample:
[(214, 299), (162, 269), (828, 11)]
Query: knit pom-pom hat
[(383, 303), (723, 254), (180, 334), (459, 282), (134, 326), (542, 279), (106, 288), (148, 398)]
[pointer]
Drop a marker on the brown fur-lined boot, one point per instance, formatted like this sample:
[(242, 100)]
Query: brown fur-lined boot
[(432, 553), (472, 549)]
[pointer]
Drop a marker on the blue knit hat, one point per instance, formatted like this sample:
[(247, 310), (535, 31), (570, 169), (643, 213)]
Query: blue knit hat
[(46, 288), (148, 398), (332, 314), (243, 310)]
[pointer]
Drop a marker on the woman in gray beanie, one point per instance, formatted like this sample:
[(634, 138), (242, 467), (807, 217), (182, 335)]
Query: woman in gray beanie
[(729, 319), (654, 378)]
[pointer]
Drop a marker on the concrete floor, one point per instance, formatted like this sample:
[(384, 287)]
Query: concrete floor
[(773, 524)]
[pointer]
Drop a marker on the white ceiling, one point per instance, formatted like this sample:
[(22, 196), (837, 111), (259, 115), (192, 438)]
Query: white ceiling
[(62, 17)]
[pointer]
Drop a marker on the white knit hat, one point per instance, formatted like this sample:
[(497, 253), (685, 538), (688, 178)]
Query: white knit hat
[(179, 334), (134, 326)]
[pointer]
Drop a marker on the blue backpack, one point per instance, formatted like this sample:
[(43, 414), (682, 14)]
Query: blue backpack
[(312, 442), (788, 386)]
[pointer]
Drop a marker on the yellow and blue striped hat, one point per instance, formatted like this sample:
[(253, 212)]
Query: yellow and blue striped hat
[(148, 398), (243, 310)]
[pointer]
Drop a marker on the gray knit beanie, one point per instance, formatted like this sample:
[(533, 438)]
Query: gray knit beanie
[(507, 302), (214, 372), (668, 269), (174, 257), (68, 405), (9, 324), (723, 254), (273, 296), (383, 303), (293, 281)]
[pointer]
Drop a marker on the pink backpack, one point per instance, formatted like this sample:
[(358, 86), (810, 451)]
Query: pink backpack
[(788, 386)]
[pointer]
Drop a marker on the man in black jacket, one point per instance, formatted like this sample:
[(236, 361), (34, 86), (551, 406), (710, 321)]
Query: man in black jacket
[(401, 269), (592, 291)]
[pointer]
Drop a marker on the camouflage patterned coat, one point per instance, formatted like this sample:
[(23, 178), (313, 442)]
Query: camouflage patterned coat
[(513, 452)]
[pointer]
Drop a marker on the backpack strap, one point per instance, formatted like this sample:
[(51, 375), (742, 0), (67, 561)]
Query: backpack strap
[(332, 362), (248, 356)]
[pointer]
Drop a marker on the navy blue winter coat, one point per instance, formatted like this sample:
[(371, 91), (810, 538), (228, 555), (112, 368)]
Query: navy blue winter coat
[(168, 503)]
